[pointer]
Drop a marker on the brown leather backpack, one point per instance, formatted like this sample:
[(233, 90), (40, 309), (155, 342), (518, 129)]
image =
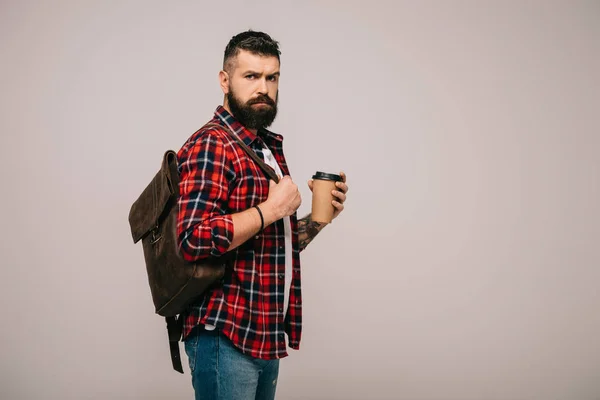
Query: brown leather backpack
[(174, 282)]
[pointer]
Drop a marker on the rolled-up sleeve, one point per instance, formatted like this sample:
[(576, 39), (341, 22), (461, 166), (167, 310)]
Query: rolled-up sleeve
[(204, 228)]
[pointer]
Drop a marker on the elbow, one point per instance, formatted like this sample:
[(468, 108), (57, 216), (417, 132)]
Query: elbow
[(189, 252), (209, 239), (184, 245)]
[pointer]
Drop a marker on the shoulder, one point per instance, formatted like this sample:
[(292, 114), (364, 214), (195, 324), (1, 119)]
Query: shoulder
[(211, 133)]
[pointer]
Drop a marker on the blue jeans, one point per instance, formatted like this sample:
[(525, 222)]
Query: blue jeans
[(220, 371)]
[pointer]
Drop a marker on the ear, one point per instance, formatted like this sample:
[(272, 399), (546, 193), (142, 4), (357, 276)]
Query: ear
[(224, 81)]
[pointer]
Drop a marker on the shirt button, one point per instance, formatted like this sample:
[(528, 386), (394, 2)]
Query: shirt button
[(281, 276), (280, 309), (256, 237)]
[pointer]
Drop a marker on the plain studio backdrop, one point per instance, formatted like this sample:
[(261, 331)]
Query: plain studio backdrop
[(465, 266)]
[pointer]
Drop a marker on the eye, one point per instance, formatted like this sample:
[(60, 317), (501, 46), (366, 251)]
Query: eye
[(251, 76), (273, 78)]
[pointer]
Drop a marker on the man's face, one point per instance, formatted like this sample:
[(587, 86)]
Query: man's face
[(253, 86)]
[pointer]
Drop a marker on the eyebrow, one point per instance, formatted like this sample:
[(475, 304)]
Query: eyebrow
[(249, 72)]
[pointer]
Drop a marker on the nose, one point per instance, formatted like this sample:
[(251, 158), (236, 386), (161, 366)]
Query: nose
[(262, 86)]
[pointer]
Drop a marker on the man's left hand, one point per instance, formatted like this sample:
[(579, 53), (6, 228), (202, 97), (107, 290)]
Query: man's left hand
[(339, 194)]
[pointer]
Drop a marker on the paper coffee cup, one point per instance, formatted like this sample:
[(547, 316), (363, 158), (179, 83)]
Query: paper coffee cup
[(323, 184)]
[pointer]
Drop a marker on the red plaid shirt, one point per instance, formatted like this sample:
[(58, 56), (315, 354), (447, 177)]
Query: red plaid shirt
[(217, 180)]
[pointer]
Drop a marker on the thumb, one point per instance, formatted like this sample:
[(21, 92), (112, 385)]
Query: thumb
[(272, 184)]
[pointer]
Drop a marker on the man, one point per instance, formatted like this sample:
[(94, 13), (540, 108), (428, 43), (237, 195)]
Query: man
[(236, 333)]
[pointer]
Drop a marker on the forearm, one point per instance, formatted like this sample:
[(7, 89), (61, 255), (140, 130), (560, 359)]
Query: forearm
[(215, 236), (307, 230), (247, 224)]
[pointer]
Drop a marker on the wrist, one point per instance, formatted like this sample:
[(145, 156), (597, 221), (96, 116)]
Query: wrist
[(262, 219), (269, 213)]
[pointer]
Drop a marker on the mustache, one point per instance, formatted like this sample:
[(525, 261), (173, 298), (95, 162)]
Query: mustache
[(262, 99)]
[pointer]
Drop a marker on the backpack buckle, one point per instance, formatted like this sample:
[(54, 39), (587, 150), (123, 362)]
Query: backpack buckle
[(155, 238)]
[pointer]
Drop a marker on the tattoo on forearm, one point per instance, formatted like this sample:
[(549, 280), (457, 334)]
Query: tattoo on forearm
[(307, 230)]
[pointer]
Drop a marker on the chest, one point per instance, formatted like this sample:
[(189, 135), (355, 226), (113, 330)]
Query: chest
[(249, 185)]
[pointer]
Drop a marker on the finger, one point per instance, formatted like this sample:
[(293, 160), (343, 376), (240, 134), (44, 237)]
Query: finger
[(342, 186), (341, 196), (310, 184), (343, 175), (339, 206)]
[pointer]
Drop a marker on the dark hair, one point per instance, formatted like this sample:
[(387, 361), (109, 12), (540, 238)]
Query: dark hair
[(255, 42)]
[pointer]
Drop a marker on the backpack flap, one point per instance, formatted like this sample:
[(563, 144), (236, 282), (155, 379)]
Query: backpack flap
[(147, 211)]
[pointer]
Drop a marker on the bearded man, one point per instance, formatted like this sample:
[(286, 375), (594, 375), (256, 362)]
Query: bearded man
[(236, 333)]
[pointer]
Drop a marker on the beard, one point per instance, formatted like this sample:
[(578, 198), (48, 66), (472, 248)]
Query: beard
[(252, 117)]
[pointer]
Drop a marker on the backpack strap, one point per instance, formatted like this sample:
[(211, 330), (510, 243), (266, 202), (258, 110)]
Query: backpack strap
[(268, 170), (175, 329)]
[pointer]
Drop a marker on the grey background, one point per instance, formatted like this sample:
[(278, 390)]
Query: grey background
[(465, 265)]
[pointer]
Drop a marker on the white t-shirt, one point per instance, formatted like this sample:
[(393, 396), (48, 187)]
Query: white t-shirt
[(287, 225)]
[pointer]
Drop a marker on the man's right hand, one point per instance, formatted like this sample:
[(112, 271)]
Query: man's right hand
[(283, 200)]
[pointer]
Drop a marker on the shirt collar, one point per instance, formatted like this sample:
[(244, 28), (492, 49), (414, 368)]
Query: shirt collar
[(240, 130)]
